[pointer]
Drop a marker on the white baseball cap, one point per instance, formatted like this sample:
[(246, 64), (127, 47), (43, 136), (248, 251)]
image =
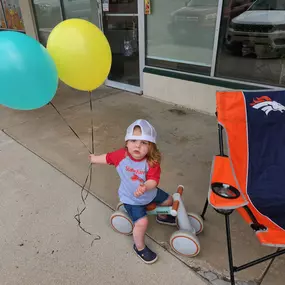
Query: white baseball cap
[(148, 132)]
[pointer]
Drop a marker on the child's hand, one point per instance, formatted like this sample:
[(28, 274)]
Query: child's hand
[(98, 159), (140, 191), (92, 158)]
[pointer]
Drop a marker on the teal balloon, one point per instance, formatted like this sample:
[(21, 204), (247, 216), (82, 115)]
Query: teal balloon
[(28, 75)]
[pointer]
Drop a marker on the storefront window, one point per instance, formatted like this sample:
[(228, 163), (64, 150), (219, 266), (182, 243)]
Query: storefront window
[(48, 14), (82, 9), (252, 41), (180, 34), (10, 15), (51, 12)]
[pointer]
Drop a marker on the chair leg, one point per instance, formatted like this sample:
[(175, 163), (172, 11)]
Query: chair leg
[(205, 209), (230, 253)]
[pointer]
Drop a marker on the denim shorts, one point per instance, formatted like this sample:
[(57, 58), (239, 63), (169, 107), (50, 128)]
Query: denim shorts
[(137, 212)]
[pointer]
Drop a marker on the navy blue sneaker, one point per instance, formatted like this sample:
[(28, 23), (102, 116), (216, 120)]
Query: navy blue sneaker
[(168, 220), (146, 255)]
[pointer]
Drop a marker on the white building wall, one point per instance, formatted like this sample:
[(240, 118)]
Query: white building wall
[(192, 95)]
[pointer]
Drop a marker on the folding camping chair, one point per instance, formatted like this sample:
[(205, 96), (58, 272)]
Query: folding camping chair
[(251, 177)]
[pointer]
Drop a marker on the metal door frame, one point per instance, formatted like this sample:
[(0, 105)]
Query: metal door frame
[(141, 39)]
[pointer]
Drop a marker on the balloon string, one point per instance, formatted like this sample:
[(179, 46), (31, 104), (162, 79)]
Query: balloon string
[(92, 123), (89, 177), (70, 126), (77, 217)]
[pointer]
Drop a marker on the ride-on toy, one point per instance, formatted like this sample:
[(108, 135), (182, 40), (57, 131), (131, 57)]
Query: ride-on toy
[(184, 241)]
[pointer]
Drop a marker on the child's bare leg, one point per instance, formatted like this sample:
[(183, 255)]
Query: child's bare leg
[(167, 202), (139, 232), (146, 254)]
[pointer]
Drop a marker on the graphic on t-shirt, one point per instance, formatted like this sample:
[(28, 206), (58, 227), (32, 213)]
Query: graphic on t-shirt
[(137, 178)]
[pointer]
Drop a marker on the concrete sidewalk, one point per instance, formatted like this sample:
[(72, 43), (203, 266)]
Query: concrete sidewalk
[(188, 141), (41, 243)]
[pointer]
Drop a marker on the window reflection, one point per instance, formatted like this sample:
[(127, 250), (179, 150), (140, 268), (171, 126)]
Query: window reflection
[(252, 41), (81, 9), (77, 9), (267, 5), (48, 15), (180, 34)]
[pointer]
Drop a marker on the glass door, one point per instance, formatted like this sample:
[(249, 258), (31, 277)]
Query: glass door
[(122, 23)]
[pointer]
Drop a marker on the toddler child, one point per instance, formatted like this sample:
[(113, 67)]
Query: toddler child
[(138, 165)]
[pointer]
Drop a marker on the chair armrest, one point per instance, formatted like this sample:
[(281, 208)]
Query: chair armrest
[(223, 190)]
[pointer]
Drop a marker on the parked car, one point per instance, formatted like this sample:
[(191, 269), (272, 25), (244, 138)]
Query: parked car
[(231, 9), (259, 30)]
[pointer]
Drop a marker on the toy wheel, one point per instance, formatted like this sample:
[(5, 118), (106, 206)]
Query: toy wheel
[(185, 243), (196, 222), (121, 223), (120, 207)]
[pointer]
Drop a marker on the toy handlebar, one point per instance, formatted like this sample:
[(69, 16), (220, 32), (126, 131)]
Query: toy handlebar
[(175, 205), (180, 190), (177, 199)]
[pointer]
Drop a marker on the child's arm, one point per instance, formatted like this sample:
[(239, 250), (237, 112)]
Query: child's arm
[(111, 158), (98, 159), (148, 185), (152, 180)]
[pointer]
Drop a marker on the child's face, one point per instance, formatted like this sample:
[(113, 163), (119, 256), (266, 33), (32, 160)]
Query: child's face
[(138, 149)]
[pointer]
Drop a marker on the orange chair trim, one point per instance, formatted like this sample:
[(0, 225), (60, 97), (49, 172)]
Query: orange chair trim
[(222, 173)]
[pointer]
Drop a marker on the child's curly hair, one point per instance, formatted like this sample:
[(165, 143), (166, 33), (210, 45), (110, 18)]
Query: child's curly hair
[(154, 155)]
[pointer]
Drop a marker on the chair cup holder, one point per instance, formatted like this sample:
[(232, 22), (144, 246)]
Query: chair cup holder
[(225, 191)]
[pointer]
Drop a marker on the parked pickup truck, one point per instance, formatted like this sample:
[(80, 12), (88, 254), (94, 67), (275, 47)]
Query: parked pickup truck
[(259, 30)]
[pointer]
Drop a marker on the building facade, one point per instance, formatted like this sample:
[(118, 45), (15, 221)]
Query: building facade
[(175, 50)]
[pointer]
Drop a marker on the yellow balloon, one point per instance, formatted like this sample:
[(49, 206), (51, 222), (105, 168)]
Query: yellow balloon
[(81, 53)]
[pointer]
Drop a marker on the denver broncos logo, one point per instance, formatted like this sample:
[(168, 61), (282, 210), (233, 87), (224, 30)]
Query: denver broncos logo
[(267, 105)]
